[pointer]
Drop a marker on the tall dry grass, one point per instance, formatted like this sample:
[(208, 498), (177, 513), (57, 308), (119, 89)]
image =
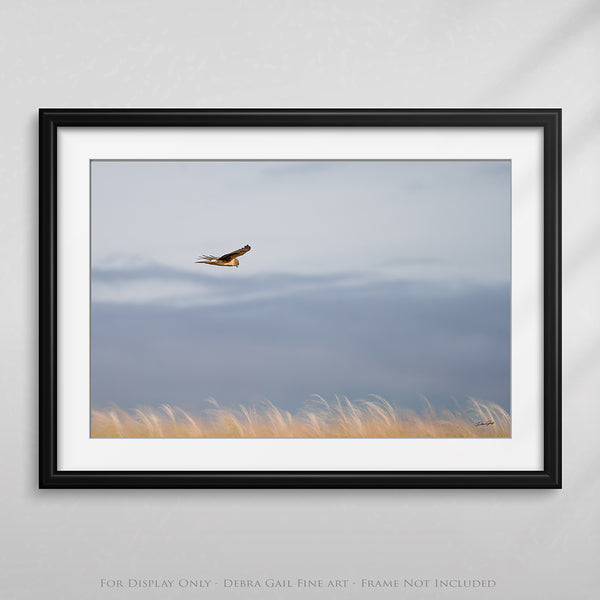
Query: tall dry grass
[(341, 418)]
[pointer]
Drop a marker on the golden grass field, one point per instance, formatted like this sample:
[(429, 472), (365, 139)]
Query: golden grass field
[(342, 418)]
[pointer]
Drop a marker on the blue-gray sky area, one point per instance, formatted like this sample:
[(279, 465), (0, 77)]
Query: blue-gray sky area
[(365, 277)]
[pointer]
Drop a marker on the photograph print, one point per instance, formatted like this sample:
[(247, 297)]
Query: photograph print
[(300, 298)]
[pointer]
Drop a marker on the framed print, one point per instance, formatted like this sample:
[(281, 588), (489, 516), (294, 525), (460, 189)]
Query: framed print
[(300, 298)]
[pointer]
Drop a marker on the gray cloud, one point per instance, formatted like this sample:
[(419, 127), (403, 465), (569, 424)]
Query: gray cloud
[(398, 340), (205, 285)]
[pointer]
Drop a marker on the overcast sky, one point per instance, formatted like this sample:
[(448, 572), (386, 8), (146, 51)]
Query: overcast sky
[(384, 277)]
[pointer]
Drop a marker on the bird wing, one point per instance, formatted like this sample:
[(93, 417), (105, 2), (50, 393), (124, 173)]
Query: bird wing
[(234, 254)]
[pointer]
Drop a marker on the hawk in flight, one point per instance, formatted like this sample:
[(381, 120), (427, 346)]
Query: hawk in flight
[(227, 260)]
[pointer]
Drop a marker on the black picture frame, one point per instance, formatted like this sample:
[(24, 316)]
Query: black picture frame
[(52, 120)]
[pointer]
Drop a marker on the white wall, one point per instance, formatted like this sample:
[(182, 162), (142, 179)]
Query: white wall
[(341, 53)]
